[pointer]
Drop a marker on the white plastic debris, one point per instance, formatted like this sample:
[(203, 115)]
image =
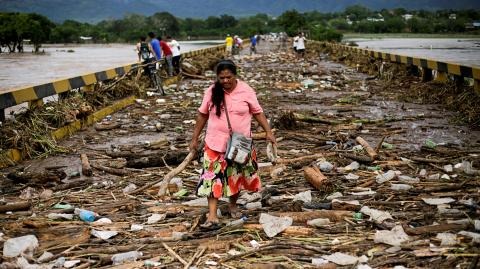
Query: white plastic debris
[(203, 202), (335, 241), (318, 222), (103, 234), (400, 187), (351, 176), (154, 218), (305, 196), (395, 237), (376, 215), (274, 225), (448, 239), (60, 216), (129, 188), (448, 168), (363, 266), (213, 263), (14, 247), (45, 257), (352, 167), (477, 225), (438, 201), (434, 177), (103, 221), (136, 227), (254, 244), (445, 176), (130, 256), (408, 179), (253, 205), (70, 264), (475, 236), (341, 258), (389, 175), (325, 166), (423, 173), (334, 196), (319, 261)]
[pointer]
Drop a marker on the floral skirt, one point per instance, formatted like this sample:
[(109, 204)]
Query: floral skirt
[(222, 178)]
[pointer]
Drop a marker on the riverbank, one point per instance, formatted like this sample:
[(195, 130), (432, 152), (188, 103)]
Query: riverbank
[(347, 36)]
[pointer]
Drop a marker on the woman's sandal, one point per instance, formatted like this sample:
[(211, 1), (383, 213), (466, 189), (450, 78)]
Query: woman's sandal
[(210, 225)]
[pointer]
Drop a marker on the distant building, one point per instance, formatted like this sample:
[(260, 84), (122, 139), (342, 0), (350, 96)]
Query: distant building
[(86, 39), (452, 16), (407, 17), (476, 24)]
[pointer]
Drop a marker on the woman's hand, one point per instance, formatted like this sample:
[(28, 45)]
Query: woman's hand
[(270, 137)]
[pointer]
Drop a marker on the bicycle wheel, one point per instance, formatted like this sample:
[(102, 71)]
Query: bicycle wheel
[(158, 82)]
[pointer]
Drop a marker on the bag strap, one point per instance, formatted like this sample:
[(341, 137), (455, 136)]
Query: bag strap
[(226, 113)]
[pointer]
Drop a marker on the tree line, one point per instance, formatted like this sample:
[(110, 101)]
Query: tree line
[(16, 27)]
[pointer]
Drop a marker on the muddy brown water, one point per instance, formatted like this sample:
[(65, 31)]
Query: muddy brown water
[(62, 61)]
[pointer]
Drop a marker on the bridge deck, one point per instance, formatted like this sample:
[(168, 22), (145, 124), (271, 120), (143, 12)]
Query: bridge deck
[(342, 105)]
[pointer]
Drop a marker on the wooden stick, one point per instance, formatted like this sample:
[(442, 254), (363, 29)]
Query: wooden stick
[(165, 180), (113, 171), (292, 230), (371, 152), (174, 254), (15, 206), (198, 254), (164, 183), (261, 135), (305, 158), (302, 217), (106, 127), (314, 176), (86, 169)]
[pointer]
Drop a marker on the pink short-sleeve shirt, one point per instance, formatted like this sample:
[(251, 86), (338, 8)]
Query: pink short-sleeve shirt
[(242, 103)]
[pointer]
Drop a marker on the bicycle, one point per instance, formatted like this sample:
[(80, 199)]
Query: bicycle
[(154, 75)]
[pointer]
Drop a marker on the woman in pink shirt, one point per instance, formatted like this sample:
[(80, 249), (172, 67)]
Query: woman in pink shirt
[(221, 177)]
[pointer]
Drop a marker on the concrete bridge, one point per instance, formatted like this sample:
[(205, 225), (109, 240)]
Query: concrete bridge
[(395, 179)]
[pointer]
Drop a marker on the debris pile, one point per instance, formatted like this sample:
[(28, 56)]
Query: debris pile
[(361, 179)]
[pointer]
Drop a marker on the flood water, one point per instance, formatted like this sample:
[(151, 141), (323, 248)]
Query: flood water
[(456, 50), (26, 69)]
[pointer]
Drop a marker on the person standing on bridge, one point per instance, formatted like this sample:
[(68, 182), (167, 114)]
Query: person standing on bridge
[(228, 45), (155, 46), (227, 108), (175, 47), (167, 52)]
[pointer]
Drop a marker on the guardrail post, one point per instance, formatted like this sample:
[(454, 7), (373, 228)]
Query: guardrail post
[(441, 76), (2, 115), (426, 74), (35, 103), (476, 85)]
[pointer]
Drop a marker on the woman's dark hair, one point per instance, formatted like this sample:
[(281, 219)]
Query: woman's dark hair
[(217, 92)]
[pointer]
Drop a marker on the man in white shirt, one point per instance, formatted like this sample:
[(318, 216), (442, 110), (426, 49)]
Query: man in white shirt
[(301, 45), (175, 47)]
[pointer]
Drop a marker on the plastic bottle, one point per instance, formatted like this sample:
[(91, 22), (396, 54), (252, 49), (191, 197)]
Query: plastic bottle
[(237, 223), (130, 256), (86, 215)]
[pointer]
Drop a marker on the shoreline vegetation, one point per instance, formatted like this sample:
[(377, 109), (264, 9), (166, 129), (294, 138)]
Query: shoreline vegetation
[(354, 21)]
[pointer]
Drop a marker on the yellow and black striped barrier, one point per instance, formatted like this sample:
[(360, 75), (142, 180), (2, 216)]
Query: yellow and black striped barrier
[(38, 92), (442, 68)]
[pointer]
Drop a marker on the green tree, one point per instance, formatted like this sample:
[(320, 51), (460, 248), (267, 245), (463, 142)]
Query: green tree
[(357, 12), (292, 22), (164, 23)]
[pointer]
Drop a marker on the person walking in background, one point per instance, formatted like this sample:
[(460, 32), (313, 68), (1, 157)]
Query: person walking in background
[(155, 46), (228, 45), (167, 52), (144, 54), (295, 43), (253, 44), (301, 45), (228, 106), (176, 55)]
